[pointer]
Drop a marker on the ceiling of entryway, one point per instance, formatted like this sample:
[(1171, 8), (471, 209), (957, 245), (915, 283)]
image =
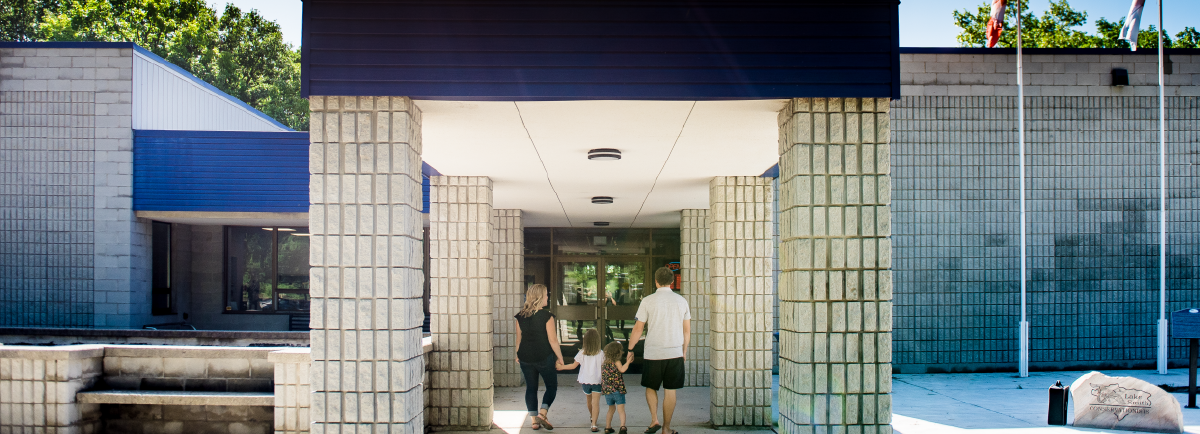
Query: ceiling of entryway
[(536, 154)]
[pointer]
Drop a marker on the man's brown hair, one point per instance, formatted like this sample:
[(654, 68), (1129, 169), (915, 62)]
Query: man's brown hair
[(664, 276)]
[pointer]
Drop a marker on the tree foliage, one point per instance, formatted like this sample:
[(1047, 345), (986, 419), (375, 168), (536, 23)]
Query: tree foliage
[(1059, 27), (241, 53)]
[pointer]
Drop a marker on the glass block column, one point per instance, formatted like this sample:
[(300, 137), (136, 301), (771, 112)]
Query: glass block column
[(742, 287), (835, 286), (508, 293), (366, 257), (693, 258), (460, 303)]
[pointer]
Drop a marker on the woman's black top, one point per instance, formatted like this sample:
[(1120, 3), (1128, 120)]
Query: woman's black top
[(535, 345)]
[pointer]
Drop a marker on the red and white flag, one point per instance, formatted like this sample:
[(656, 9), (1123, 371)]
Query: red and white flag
[(996, 24), (1133, 23)]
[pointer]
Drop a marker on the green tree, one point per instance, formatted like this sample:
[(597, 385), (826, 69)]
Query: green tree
[(241, 53), (19, 18), (1058, 28)]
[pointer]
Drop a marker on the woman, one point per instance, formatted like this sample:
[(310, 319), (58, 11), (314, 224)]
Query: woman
[(538, 353)]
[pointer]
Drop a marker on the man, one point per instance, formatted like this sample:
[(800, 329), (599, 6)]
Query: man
[(670, 322)]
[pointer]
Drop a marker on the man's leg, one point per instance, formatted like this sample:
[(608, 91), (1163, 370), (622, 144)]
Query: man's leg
[(652, 402), (668, 411)]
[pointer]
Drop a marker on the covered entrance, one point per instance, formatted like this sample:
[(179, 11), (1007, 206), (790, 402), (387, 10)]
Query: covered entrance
[(598, 277)]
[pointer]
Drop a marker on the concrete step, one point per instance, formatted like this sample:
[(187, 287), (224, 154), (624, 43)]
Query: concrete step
[(171, 397)]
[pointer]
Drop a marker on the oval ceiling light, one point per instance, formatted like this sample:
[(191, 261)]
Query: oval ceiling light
[(604, 154), (602, 199), (599, 223)]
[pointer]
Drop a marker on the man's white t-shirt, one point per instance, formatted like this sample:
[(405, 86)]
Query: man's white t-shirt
[(664, 312)]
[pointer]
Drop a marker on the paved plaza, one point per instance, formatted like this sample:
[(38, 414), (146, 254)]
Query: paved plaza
[(922, 403)]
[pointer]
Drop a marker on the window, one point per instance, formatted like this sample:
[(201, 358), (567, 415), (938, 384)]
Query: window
[(160, 281), (267, 269)]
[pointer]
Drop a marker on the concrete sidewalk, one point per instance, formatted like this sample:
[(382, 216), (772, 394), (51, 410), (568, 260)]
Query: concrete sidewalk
[(921, 403)]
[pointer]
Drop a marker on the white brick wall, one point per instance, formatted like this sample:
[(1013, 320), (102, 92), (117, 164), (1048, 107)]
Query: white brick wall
[(508, 293), (693, 258), (366, 254), (460, 304), (1045, 75), (78, 103), (742, 293), (835, 284)]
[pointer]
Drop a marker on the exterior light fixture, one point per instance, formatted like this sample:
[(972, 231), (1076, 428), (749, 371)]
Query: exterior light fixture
[(599, 223), (1120, 77), (286, 230), (604, 154), (602, 199)]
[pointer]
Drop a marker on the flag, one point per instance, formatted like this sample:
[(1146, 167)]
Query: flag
[(1132, 22), (996, 23)]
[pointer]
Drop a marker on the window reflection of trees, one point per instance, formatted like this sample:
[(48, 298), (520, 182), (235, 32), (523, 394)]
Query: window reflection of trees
[(266, 264)]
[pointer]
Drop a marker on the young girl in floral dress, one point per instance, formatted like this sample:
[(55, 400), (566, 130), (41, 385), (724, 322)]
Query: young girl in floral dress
[(613, 383)]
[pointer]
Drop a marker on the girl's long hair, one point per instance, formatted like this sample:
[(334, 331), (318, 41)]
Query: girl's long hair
[(533, 300), (612, 352), (591, 342)]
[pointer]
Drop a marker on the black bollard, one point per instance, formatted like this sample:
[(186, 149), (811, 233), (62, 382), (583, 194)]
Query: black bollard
[(1057, 413)]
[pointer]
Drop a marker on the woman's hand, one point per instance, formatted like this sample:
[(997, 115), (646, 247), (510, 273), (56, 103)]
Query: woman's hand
[(560, 361)]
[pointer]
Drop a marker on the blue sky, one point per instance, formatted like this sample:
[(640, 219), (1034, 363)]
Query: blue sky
[(923, 23)]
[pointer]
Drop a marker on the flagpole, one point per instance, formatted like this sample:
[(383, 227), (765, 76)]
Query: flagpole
[(1162, 202), (1023, 362)]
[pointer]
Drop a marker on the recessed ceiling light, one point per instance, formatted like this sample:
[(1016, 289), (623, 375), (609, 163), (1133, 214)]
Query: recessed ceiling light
[(599, 223), (602, 199), (604, 154)]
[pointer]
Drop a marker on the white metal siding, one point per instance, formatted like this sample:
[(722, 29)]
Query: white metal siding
[(166, 99)]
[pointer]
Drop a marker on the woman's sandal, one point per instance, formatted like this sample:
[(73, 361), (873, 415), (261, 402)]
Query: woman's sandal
[(535, 426), (542, 418)]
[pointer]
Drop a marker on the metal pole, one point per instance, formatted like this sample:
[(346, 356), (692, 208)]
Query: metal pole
[(1162, 203), (1023, 363)]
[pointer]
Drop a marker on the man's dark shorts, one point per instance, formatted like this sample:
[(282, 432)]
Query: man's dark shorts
[(665, 373)]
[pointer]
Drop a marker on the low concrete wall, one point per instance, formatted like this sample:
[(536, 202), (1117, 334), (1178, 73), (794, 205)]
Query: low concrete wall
[(188, 368), (57, 336), (38, 387)]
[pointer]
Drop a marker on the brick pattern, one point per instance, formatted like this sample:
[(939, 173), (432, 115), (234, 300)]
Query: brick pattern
[(292, 391), (1092, 198), (145, 418), (38, 389), (775, 277), (693, 258), (460, 303), (66, 139), (1045, 75), (188, 368), (741, 272), (835, 286), (366, 255), (508, 293)]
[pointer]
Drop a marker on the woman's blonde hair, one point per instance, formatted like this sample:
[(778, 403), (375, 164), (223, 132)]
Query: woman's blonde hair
[(533, 300), (591, 342), (612, 352)]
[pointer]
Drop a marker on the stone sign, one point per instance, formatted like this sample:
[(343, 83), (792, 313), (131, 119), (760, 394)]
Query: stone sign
[(1125, 403)]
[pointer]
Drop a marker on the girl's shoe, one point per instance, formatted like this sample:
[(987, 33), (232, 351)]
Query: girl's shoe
[(608, 431), (595, 429), (624, 430)]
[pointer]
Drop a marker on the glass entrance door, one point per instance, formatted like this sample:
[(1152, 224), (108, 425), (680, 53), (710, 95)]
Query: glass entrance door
[(601, 293)]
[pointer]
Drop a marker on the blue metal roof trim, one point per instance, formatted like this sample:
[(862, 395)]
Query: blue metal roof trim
[(546, 50), (220, 171), (772, 172), (152, 56), (426, 172)]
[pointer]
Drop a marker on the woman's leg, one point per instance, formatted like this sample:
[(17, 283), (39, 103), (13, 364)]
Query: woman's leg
[(550, 377), (530, 371)]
